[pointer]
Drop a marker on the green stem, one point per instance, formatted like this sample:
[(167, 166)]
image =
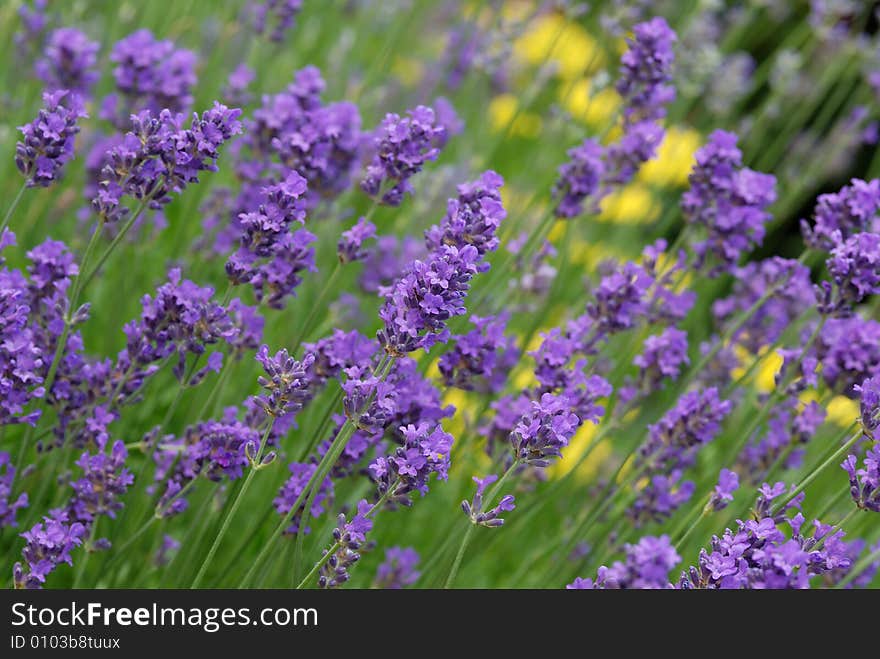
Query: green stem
[(255, 466), (858, 568), (87, 279), (317, 306), (12, 207)]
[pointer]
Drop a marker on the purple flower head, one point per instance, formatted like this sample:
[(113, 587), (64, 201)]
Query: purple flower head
[(855, 268), (647, 566), (47, 143), (34, 23), (349, 537), (286, 382), (425, 451), (351, 243), (474, 508), (402, 147), (623, 158), (728, 483), (473, 218), (869, 404), (281, 14), (250, 325), (792, 295), (398, 570), (482, 358), (389, 260), (150, 75), (8, 507), (236, 90), (577, 188), (848, 350), (841, 215), (300, 474), (68, 61), (663, 356), (694, 420), (448, 118), (865, 482), (726, 201), (544, 430), (646, 71), (619, 301), (48, 544), (105, 479), (181, 318), (368, 401), (168, 547)]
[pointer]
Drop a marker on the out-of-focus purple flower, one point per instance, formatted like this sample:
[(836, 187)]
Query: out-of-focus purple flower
[(388, 261), (105, 479), (8, 507), (848, 350), (726, 201), (647, 567), (281, 14), (34, 23), (792, 294), (481, 359), (349, 536), (728, 483), (580, 178), (646, 71), (48, 544), (855, 268), (150, 75), (351, 243), (300, 474), (623, 158), (474, 508), (68, 61), (47, 142), (235, 92), (398, 570), (286, 382), (786, 429), (249, 323), (448, 118), (663, 356), (402, 147), (851, 210), (544, 431), (869, 404), (168, 547)]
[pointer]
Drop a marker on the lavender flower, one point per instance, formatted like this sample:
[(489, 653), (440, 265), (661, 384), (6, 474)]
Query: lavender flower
[(349, 536), (368, 401), (280, 12), (48, 544), (544, 431), (728, 483), (286, 382), (840, 215), (726, 201), (68, 61), (402, 146), (9, 508), (580, 179), (663, 357), (647, 566), (398, 570), (150, 75), (236, 90), (350, 247), (855, 268), (869, 404), (388, 261), (105, 479), (865, 482), (646, 71), (48, 140), (425, 451), (481, 359), (474, 508), (848, 350), (293, 487), (168, 547)]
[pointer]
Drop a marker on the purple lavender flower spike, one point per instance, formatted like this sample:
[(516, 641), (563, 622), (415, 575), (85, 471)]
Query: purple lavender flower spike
[(424, 451), (351, 243), (855, 268), (646, 71), (869, 404), (398, 570), (578, 186), (726, 201), (293, 487), (481, 359), (236, 90), (68, 62), (34, 23), (851, 210), (8, 507), (474, 508), (48, 140), (848, 350), (281, 13), (105, 479), (350, 535), (168, 547), (388, 261), (402, 147), (544, 431), (637, 146), (647, 567), (728, 483), (286, 382), (663, 357), (48, 544), (865, 482), (368, 401)]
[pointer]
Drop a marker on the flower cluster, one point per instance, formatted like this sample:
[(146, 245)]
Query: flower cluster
[(47, 143), (544, 431), (349, 537), (481, 359), (647, 566), (425, 451), (68, 61), (840, 215), (398, 570), (282, 13), (474, 508)]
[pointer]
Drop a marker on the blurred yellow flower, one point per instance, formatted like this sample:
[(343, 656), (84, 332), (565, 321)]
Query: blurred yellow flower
[(503, 111), (633, 204), (408, 70), (592, 108), (555, 38), (674, 160), (573, 453), (842, 411)]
